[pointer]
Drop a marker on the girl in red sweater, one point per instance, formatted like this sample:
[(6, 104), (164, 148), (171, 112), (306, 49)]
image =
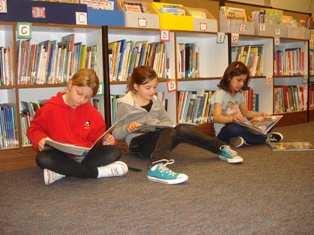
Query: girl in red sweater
[(69, 117)]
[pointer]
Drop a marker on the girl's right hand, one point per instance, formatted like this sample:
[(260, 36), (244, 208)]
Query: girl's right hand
[(41, 144), (132, 126), (238, 117)]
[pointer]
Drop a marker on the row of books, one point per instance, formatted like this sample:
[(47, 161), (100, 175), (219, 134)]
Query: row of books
[(27, 114), (187, 60), (251, 56), (289, 99), (311, 96), (52, 62), (270, 16), (289, 61), (265, 15), (194, 106), (8, 126), (311, 61), (6, 66), (25, 124), (251, 99), (124, 56), (113, 106), (136, 6)]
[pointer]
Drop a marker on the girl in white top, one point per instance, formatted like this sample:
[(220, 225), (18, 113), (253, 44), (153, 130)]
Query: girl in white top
[(228, 107)]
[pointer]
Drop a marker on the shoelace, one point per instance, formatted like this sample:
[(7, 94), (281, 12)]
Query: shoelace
[(269, 139), (164, 168), (233, 153), (115, 171)]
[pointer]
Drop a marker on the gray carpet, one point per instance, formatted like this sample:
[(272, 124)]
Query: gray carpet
[(270, 193)]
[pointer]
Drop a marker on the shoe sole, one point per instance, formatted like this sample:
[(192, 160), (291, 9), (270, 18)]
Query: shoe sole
[(175, 181), (46, 177), (233, 161)]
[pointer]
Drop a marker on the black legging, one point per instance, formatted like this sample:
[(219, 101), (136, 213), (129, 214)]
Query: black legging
[(158, 145), (59, 162)]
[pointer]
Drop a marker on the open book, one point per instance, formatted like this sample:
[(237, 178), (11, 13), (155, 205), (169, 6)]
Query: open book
[(291, 146), (144, 128), (77, 150), (259, 124)]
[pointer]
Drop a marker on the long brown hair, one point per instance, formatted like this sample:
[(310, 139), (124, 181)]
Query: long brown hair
[(236, 68), (141, 75)]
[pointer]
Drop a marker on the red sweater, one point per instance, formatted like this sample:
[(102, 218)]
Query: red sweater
[(81, 126)]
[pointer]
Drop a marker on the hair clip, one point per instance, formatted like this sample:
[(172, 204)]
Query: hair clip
[(237, 66)]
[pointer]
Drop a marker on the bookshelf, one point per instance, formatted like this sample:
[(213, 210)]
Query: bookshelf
[(213, 59), (258, 79), (209, 72), (17, 91), (294, 74), (115, 34)]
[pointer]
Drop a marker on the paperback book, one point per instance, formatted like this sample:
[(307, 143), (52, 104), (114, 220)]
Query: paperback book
[(133, 7), (259, 124), (197, 14), (144, 128), (77, 150), (291, 146), (232, 13)]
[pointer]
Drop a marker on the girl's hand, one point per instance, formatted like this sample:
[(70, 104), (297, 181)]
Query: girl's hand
[(132, 126), (264, 115), (238, 117), (41, 144), (108, 140)]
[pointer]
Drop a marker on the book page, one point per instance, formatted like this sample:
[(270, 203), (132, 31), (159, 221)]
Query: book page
[(98, 142), (67, 148), (77, 150), (260, 124)]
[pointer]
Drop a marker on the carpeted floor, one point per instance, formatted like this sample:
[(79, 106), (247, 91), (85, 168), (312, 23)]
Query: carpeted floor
[(270, 193)]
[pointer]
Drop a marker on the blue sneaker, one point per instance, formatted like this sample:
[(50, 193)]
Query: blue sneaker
[(162, 174), (229, 155)]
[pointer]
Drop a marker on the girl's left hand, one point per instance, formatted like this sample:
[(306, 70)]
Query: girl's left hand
[(108, 140)]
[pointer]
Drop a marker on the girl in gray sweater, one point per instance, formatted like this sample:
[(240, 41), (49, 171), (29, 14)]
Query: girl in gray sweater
[(141, 106)]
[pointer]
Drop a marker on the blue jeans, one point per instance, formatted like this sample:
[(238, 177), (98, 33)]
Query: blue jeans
[(231, 130), (158, 145)]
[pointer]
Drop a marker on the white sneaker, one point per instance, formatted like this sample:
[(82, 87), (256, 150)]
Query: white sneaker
[(51, 176), (117, 168), (229, 155), (237, 141)]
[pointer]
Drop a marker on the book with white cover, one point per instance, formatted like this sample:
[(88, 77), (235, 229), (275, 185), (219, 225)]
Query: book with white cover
[(77, 150)]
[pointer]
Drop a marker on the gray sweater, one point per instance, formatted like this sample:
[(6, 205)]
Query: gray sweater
[(128, 112)]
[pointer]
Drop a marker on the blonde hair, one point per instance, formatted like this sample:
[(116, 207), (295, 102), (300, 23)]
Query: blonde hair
[(87, 78)]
